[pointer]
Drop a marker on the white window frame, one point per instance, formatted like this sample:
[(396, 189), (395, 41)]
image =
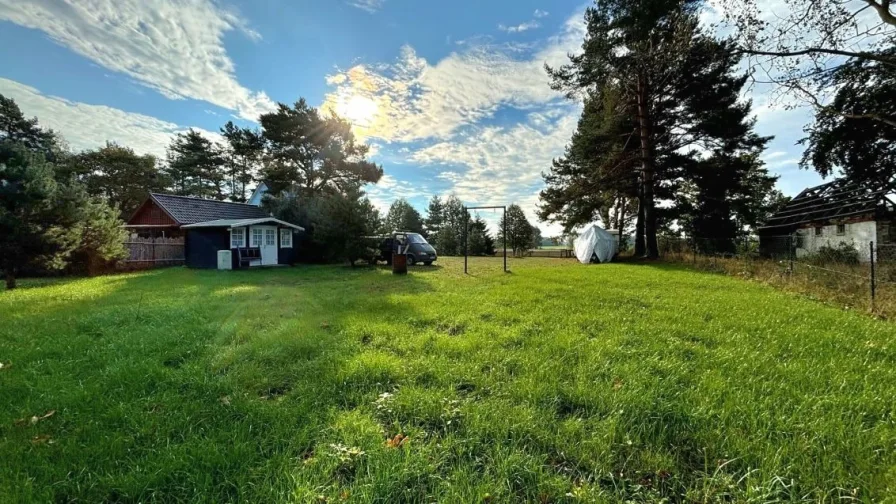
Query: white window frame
[(270, 233), (241, 235), (260, 234), (285, 238)]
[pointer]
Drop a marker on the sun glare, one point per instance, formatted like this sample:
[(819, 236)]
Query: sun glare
[(358, 109)]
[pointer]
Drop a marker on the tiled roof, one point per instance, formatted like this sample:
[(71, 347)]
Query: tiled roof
[(187, 210)]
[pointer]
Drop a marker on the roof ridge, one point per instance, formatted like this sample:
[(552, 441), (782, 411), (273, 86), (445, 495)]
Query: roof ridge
[(202, 199)]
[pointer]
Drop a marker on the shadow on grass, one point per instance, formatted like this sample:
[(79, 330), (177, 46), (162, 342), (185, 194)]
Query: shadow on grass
[(185, 385)]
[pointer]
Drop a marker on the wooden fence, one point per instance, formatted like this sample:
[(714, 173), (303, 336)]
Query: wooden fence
[(154, 252), (559, 253)]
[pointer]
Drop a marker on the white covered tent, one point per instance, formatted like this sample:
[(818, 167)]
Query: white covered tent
[(595, 242)]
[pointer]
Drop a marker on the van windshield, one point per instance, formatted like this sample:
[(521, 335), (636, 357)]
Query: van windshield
[(415, 238)]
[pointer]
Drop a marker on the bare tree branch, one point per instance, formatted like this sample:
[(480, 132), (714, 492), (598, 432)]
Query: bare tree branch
[(883, 10), (821, 107), (822, 50)]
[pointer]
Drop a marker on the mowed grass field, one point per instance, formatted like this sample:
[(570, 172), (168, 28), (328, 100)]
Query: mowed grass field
[(555, 383)]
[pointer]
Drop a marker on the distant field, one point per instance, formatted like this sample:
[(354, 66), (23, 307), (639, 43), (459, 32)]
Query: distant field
[(556, 383)]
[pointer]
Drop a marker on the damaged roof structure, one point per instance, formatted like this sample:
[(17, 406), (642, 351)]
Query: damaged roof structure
[(835, 200), (837, 213)]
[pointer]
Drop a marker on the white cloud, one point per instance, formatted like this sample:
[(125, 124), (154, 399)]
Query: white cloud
[(390, 189), (437, 109), (370, 6), (174, 47), (86, 126), (416, 99), (540, 13), (528, 25), (504, 164)]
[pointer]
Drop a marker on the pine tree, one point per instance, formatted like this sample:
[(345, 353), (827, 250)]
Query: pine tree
[(434, 218), (449, 238), (117, 174), (195, 166), (243, 153), (42, 221), (101, 239), (403, 217), (14, 127), (309, 153), (519, 230), (479, 241), (658, 91), (340, 223)]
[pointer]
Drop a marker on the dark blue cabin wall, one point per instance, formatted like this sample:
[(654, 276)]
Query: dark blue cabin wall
[(201, 246), (286, 255)]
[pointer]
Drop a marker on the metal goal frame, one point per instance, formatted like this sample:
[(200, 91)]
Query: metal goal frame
[(467, 209)]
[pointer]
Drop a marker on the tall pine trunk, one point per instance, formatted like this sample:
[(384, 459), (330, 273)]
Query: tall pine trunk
[(648, 171), (10, 279), (640, 245), (620, 223)]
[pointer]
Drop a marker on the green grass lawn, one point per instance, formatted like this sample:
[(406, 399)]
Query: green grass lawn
[(556, 383)]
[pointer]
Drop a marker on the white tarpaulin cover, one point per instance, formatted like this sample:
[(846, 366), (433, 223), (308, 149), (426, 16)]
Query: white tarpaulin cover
[(595, 241)]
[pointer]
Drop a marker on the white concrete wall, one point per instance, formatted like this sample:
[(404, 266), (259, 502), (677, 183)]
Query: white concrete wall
[(858, 234)]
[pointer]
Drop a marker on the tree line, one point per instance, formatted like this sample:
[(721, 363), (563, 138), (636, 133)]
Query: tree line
[(445, 221), (48, 219), (664, 119), (64, 211)]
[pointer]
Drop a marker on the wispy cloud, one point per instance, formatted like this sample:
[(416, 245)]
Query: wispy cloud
[(388, 189), (496, 165), (433, 115), (529, 25), (171, 46), (86, 126), (416, 99), (370, 6)]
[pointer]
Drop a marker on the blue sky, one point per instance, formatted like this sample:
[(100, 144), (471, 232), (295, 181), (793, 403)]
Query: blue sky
[(452, 97)]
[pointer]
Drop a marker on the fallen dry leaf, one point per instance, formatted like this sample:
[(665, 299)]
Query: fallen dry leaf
[(397, 442), (617, 384), (225, 400), (45, 416)]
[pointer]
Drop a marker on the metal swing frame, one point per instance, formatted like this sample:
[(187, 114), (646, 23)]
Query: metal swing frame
[(503, 234)]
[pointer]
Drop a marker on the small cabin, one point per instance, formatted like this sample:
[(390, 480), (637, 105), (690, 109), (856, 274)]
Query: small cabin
[(254, 237), (831, 215)]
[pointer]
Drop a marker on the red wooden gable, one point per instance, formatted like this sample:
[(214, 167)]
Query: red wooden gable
[(150, 214)]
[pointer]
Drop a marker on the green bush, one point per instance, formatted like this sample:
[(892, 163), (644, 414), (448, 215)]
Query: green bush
[(844, 253)]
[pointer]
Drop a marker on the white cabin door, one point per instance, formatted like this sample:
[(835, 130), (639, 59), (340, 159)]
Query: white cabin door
[(265, 238)]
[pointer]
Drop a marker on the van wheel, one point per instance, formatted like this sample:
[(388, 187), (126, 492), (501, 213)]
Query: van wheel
[(411, 260)]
